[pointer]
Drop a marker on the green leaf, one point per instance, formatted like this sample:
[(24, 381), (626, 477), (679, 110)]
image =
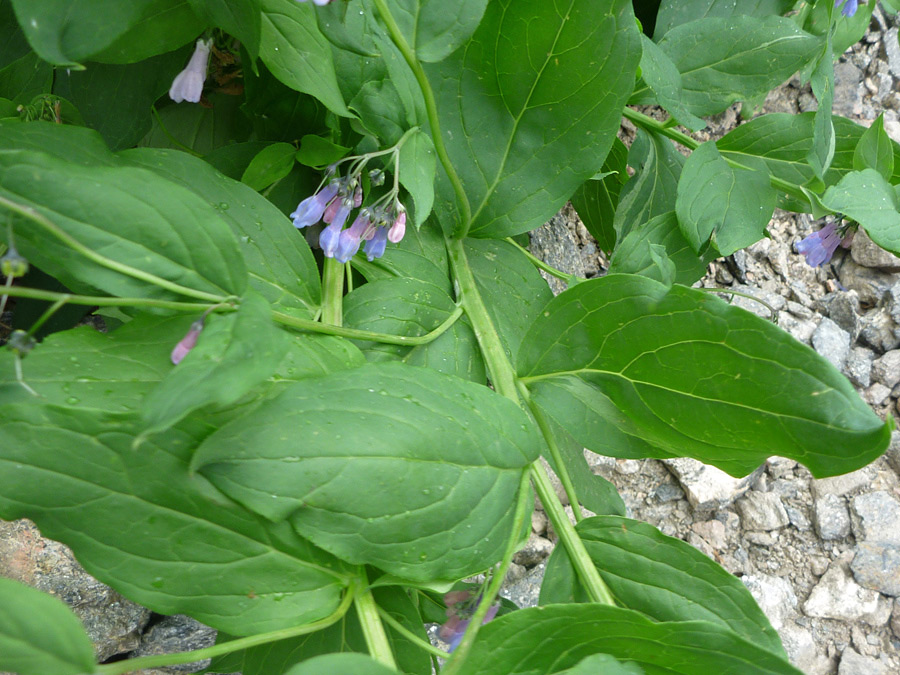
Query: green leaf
[(75, 144), (421, 254), (316, 151), (13, 44), (596, 200), (271, 164), (116, 99), (603, 663), (131, 216), (822, 82), (720, 205), (65, 33), (232, 160), (441, 459), (512, 289), (436, 29), (39, 634), (234, 353), (724, 60), (846, 31), (25, 78), (866, 197), (417, 167), (633, 254), (632, 557), (281, 266), (239, 18), (196, 128), (633, 369), (653, 188), (402, 306), (874, 150), (664, 79), (676, 12), (342, 664), (528, 119), (550, 639), (298, 54), (142, 523)]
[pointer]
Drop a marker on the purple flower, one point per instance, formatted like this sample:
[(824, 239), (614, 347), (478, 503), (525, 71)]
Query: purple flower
[(348, 244), (460, 608), (311, 209), (188, 84), (850, 7), (331, 235), (375, 246), (820, 246), (187, 343)]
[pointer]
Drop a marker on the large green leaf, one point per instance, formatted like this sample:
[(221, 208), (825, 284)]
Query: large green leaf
[(822, 82), (530, 107), (240, 18), (866, 197), (543, 640), (720, 205), (64, 32), (632, 557), (874, 150), (421, 254), (435, 29), (676, 12), (25, 78), (724, 60), (417, 167), (13, 44), (661, 74), (129, 215), (139, 521), (603, 663), (653, 188), (440, 458), (404, 306), (342, 664), (280, 264), (39, 634), (297, 53), (631, 368), (596, 199), (197, 128)]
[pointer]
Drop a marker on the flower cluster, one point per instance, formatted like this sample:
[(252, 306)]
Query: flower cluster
[(820, 246), (850, 7), (461, 605), (188, 84), (377, 224)]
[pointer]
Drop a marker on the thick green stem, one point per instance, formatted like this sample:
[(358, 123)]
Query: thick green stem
[(356, 334), (51, 227), (409, 55), (373, 629), (660, 127), (162, 660), (475, 623), (333, 293), (104, 301), (469, 298)]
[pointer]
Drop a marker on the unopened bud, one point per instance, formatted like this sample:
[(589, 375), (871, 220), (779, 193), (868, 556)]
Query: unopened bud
[(21, 342), (12, 264), (376, 176), (187, 343)]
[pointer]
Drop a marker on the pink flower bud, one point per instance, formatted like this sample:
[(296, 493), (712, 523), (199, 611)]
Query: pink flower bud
[(398, 229), (187, 343)]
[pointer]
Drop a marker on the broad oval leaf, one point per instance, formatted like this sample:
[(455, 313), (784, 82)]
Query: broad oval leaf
[(435, 29), (866, 197), (40, 635), (532, 103), (874, 150), (549, 639), (342, 664), (676, 12), (440, 458), (138, 521), (631, 368)]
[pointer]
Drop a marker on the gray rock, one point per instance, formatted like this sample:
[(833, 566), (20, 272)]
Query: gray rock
[(843, 309), (877, 518), (887, 368), (801, 329), (838, 596), (832, 518), (877, 566), (893, 452), (847, 80), (554, 243), (802, 651), (892, 51), (832, 342), (798, 518), (876, 395), (712, 532), (177, 633), (879, 330), (843, 484), (775, 597), (871, 284), (526, 591), (536, 550), (773, 300), (113, 623), (706, 486), (539, 522), (853, 663), (867, 253), (858, 367), (895, 618), (761, 511)]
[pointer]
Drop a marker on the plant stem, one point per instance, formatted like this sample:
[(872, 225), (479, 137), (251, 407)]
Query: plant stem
[(333, 293), (161, 660), (104, 301), (549, 437), (39, 218), (660, 127), (356, 334), (459, 656), (42, 319), (499, 367), (409, 56), (570, 279), (373, 630), (409, 635)]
